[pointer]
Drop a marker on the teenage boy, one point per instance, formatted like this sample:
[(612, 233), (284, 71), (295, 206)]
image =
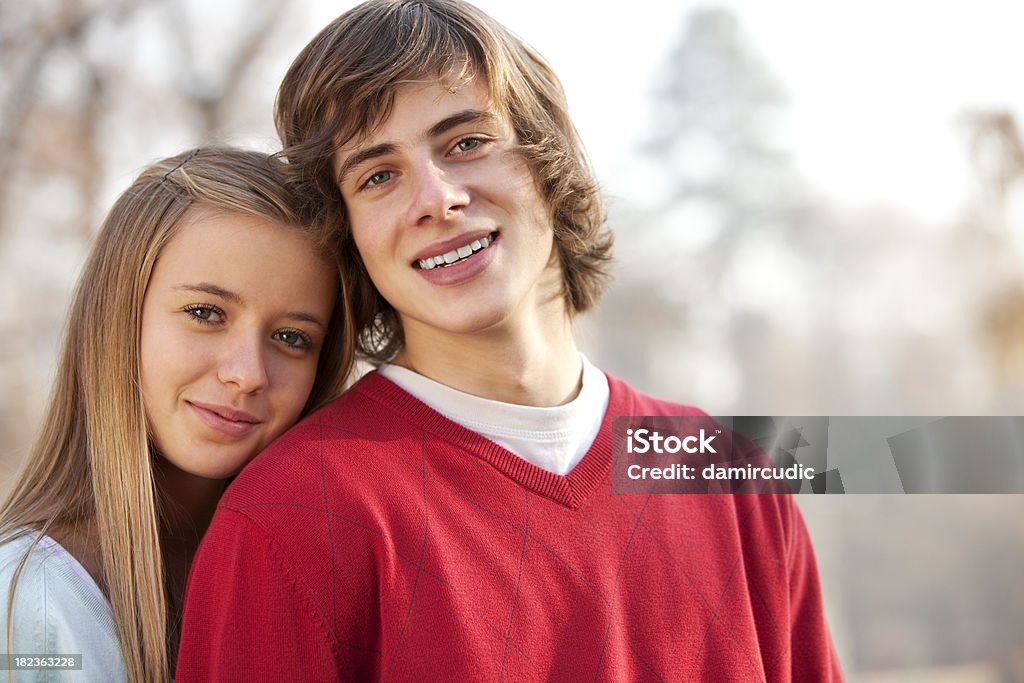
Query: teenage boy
[(451, 517)]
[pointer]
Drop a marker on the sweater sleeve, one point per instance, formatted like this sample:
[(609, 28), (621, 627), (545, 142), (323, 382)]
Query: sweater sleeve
[(246, 618), (813, 654)]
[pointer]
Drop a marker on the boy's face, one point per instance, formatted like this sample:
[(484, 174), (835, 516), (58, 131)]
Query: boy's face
[(448, 219)]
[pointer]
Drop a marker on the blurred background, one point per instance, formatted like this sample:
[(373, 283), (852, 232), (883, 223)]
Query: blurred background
[(819, 210)]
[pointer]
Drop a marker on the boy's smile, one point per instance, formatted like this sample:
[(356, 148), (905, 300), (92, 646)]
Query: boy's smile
[(457, 255)]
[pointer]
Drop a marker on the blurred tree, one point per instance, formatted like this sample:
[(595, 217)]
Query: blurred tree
[(732, 245), (997, 159), (996, 152), (717, 117)]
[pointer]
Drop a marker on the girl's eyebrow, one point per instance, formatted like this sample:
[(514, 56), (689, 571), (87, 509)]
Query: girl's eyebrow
[(228, 295), (215, 290), (301, 316)]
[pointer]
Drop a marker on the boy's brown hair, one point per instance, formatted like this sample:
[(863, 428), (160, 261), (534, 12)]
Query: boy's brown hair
[(343, 84)]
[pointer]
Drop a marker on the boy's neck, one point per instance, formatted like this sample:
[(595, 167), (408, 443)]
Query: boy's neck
[(529, 367)]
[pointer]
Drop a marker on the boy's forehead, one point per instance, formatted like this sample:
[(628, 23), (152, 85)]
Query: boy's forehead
[(421, 109), (421, 102)]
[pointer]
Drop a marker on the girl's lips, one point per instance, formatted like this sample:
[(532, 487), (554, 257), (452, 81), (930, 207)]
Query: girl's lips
[(225, 420)]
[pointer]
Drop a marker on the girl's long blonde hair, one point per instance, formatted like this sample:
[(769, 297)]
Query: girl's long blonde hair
[(91, 464)]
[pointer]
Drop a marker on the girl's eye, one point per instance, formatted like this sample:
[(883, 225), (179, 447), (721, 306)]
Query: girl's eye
[(205, 313), (294, 339)]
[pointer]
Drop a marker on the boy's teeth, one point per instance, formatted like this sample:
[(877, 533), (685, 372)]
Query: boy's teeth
[(455, 255)]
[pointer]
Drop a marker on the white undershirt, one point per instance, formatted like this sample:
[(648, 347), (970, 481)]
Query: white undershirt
[(554, 439)]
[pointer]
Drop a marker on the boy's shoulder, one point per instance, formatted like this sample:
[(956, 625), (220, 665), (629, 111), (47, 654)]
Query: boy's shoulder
[(325, 444), (627, 400)]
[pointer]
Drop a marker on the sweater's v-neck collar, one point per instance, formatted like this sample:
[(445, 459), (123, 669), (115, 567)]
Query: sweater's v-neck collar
[(571, 489)]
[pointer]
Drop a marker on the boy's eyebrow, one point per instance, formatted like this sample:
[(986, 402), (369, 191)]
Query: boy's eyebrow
[(439, 128), (466, 116), (362, 156)]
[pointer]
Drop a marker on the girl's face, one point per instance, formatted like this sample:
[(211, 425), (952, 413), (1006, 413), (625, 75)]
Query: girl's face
[(233, 320)]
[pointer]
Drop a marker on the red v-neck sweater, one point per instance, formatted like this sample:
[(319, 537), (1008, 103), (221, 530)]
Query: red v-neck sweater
[(380, 540)]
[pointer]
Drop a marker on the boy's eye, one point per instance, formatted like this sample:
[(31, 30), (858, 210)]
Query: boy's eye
[(467, 145), (378, 178)]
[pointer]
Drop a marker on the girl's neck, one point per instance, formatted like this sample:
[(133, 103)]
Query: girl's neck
[(187, 504)]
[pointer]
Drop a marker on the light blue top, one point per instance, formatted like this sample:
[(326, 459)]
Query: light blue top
[(58, 610)]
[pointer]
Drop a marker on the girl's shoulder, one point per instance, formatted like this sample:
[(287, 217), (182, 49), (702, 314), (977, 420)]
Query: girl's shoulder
[(48, 565), (58, 609)]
